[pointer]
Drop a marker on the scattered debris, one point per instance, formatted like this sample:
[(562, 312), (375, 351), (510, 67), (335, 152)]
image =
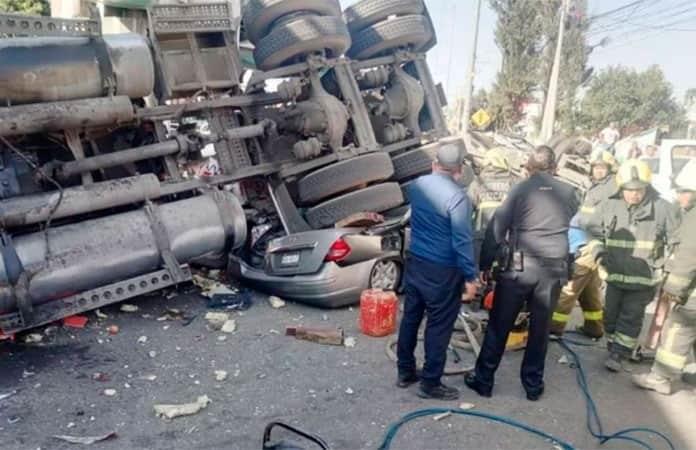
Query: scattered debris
[(216, 320), (113, 329), (239, 301), (101, 377), (126, 385), (101, 315), (110, 392), (71, 425), (85, 440), (222, 338), (229, 327), (220, 375), (349, 391), (325, 336), (27, 374), (276, 302), (186, 409), (444, 415), (142, 339), (128, 308), (271, 331), (466, 406), (7, 395), (33, 338), (149, 377), (13, 419), (50, 330), (261, 376), (75, 321), (152, 354), (350, 342), (325, 317), (564, 360), (236, 373)]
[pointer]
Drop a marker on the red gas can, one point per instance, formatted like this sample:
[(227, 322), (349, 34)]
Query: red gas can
[(378, 312)]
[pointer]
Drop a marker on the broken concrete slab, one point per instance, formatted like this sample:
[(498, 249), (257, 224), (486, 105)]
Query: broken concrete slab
[(185, 409)]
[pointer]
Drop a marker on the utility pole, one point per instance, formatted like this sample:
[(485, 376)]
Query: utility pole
[(552, 93), (466, 113)]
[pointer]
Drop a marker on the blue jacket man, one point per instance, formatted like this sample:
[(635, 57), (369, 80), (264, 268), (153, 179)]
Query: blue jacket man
[(440, 261)]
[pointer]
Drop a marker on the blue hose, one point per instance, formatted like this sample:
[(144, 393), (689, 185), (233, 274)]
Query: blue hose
[(594, 424), (394, 428)]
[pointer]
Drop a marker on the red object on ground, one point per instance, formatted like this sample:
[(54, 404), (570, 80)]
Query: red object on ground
[(6, 337), (75, 321), (378, 312)]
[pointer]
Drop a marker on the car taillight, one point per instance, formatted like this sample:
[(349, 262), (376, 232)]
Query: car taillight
[(338, 251)]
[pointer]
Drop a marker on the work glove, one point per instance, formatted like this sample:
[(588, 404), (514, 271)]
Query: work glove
[(673, 298)]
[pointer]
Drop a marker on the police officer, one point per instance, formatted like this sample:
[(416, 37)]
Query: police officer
[(633, 228), (532, 223), (440, 260), (679, 333), (488, 191), (585, 285)]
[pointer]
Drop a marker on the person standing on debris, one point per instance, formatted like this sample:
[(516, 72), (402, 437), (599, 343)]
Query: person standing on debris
[(488, 191), (440, 261), (610, 135), (585, 285), (679, 334), (530, 230), (633, 229)]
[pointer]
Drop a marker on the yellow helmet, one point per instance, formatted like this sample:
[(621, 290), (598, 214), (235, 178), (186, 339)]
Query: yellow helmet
[(634, 174), (496, 158), (604, 157)]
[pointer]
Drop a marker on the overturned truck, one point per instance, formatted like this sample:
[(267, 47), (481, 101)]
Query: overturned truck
[(100, 135)]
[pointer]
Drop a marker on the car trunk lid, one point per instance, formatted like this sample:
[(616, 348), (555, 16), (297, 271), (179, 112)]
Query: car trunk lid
[(300, 253)]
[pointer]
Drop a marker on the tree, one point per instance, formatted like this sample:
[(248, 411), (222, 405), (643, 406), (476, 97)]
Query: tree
[(526, 33), (635, 100), (25, 6)]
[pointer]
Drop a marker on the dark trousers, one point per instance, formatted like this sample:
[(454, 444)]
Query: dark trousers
[(539, 285), (435, 291)]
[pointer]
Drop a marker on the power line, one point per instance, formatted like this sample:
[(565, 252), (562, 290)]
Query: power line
[(616, 10)]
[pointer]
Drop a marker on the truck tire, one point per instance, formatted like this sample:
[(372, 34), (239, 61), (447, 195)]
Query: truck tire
[(344, 176), (415, 162), (259, 15), (377, 198), (406, 31), (404, 190), (302, 36), (368, 12)]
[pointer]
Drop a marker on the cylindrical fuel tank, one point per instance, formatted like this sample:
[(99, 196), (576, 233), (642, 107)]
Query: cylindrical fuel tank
[(90, 254), (46, 69)]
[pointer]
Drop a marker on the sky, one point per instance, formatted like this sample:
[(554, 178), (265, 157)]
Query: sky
[(650, 32)]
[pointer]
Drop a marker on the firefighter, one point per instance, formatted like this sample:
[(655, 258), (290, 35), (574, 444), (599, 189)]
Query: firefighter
[(633, 228), (679, 334), (530, 230), (585, 285), (488, 191)]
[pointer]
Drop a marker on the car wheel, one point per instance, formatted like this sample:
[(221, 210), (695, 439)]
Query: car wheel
[(413, 32), (368, 12), (259, 15), (344, 176), (377, 198), (300, 37), (385, 275)]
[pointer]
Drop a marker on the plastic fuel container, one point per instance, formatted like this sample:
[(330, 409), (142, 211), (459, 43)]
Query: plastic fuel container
[(378, 311)]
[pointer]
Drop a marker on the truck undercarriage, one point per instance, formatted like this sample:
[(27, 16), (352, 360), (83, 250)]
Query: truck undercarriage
[(102, 138)]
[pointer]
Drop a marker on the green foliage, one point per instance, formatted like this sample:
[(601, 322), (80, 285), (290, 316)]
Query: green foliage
[(526, 33), (635, 100), (35, 7)]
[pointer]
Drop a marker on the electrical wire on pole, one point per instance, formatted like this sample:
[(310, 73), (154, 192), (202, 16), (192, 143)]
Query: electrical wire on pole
[(463, 122)]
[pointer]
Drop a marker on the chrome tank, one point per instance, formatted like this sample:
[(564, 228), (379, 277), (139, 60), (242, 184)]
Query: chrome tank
[(48, 69)]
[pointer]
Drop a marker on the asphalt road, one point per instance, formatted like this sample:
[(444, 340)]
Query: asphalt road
[(346, 395)]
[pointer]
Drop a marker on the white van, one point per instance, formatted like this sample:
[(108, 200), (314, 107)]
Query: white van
[(672, 157)]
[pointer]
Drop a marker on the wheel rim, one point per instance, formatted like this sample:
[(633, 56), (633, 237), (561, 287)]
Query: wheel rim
[(385, 275)]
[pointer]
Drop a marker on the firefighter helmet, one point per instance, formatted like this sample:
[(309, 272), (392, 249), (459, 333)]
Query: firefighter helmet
[(686, 180), (634, 174), (603, 157), (495, 157)]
